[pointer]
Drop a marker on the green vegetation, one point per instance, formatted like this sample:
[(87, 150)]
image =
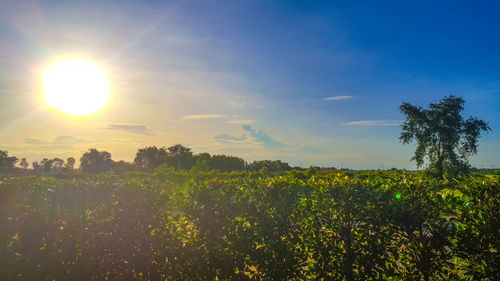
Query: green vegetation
[(174, 215), (209, 225)]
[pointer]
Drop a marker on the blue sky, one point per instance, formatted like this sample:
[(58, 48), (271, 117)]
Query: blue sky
[(311, 82)]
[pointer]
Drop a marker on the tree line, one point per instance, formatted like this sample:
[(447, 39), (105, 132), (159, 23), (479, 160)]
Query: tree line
[(444, 141), (147, 159)]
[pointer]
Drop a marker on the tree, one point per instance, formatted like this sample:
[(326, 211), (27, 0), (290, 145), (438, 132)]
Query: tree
[(7, 162), (37, 167), (200, 166), (95, 161), (226, 163), (148, 158), (204, 156), (442, 135), (121, 167), (57, 163), (70, 163), (46, 164), (24, 163), (270, 165), (180, 157)]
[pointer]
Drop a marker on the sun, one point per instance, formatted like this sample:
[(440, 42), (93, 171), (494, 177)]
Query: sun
[(75, 86)]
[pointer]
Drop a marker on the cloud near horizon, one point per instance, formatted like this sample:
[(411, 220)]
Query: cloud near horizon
[(338, 98), (69, 140), (63, 140), (251, 135), (229, 138), (386, 123), (242, 122), (136, 129), (202, 116), (35, 141)]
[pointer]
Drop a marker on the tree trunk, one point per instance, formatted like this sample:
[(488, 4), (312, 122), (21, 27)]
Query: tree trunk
[(440, 169), (440, 160)]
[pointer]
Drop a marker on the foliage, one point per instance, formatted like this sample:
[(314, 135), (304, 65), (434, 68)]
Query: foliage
[(200, 166), (95, 161), (209, 225), (120, 167), (443, 136), (48, 165), (148, 158), (180, 157), (269, 165), (478, 228), (70, 163), (24, 163), (225, 163), (6, 163)]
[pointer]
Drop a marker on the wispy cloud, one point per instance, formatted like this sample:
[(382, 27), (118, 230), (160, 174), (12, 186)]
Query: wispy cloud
[(64, 140), (35, 141), (203, 116), (237, 104), (338, 98), (387, 123), (242, 122), (229, 138), (69, 140), (136, 129)]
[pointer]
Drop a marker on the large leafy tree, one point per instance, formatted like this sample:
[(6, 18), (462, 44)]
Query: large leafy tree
[(70, 163), (95, 161), (180, 157), (57, 163), (444, 138), (148, 158), (47, 164), (6, 162)]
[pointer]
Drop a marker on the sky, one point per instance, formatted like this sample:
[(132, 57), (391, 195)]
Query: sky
[(308, 82)]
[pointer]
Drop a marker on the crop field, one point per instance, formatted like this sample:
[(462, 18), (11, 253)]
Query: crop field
[(295, 225)]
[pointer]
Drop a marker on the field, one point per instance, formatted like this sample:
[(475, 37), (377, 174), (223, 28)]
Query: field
[(296, 225)]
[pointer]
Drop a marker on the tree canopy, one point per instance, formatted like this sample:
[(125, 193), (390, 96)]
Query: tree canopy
[(24, 163), (444, 138), (226, 163), (269, 165), (70, 163), (6, 162), (95, 161), (180, 157), (148, 158)]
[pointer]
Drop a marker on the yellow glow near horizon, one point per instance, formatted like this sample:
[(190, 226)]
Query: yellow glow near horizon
[(75, 86)]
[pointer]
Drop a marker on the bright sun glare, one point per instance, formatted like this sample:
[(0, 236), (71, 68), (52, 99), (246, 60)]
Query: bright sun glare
[(75, 86)]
